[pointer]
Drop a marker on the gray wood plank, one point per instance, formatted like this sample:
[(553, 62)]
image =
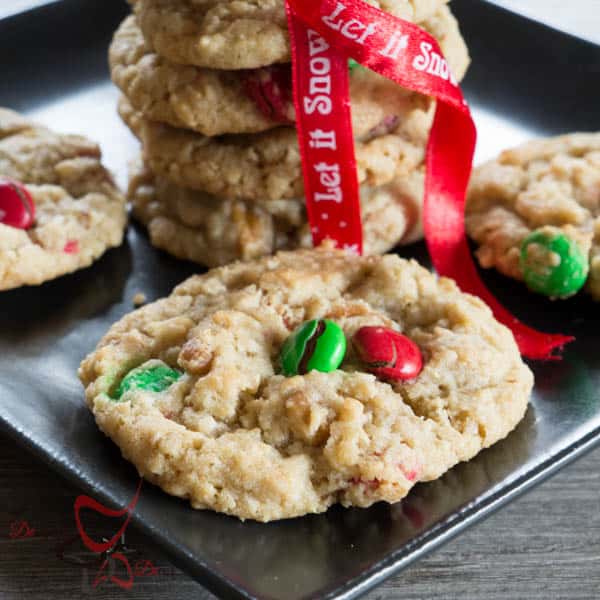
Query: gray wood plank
[(546, 545)]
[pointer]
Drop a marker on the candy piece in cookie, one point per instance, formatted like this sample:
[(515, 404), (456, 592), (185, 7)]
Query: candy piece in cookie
[(318, 345), (153, 376), (553, 264), (270, 89), (235, 435), (352, 65), (17, 208), (388, 354)]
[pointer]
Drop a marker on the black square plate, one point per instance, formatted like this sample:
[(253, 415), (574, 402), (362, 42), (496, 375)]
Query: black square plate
[(525, 80)]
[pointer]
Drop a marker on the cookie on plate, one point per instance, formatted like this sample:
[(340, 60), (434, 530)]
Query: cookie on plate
[(267, 166), (192, 388), (228, 34), (59, 207), (214, 102), (215, 231), (535, 214)]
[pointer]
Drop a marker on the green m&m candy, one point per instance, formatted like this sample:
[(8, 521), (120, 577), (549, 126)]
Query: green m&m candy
[(553, 264), (352, 64), (153, 376), (318, 345)]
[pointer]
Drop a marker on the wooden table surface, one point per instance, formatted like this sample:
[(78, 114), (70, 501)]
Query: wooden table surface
[(546, 545)]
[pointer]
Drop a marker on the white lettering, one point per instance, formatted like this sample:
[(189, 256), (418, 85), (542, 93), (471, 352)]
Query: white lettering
[(330, 20), (433, 63), (370, 30), (319, 99), (322, 139), (444, 70), (320, 85), (349, 29), (396, 44), (319, 103), (333, 195), (316, 44), (329, 178), (420, 63), (320, 66)]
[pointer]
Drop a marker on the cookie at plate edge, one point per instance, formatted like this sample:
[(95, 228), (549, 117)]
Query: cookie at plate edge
[(79, 211), (546, 185), (234, 435)]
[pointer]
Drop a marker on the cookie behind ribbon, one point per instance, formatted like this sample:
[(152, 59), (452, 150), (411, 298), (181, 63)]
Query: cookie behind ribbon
[(550, 185)]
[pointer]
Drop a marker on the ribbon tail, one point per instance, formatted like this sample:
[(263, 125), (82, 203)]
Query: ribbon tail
[(443, 222)]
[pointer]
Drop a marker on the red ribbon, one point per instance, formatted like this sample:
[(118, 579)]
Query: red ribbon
[(322, 100), (324, 33)]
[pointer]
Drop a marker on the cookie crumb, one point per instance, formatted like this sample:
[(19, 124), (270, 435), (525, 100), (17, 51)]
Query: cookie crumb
[(139, 299)]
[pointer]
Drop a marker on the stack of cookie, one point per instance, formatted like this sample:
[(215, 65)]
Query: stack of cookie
[(207, 90)]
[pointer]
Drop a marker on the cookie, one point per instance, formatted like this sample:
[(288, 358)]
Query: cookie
[(228, 34), (267, 166), (190, 387), (214, 102), (79, 212), (545, 190), (215, 231)]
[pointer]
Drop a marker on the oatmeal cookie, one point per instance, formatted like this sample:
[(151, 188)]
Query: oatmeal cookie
[(191, 388), (267, 166), (229, 34), (214, 102), (547, 189), (79, 212), (215, 231)]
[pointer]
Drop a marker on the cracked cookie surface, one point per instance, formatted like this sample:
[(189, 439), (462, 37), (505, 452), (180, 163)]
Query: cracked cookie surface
[(233, 435), (80, 212), (548, 183)]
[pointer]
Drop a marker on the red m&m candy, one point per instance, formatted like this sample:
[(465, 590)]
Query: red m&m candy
[(16, 205), (388, 354)]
